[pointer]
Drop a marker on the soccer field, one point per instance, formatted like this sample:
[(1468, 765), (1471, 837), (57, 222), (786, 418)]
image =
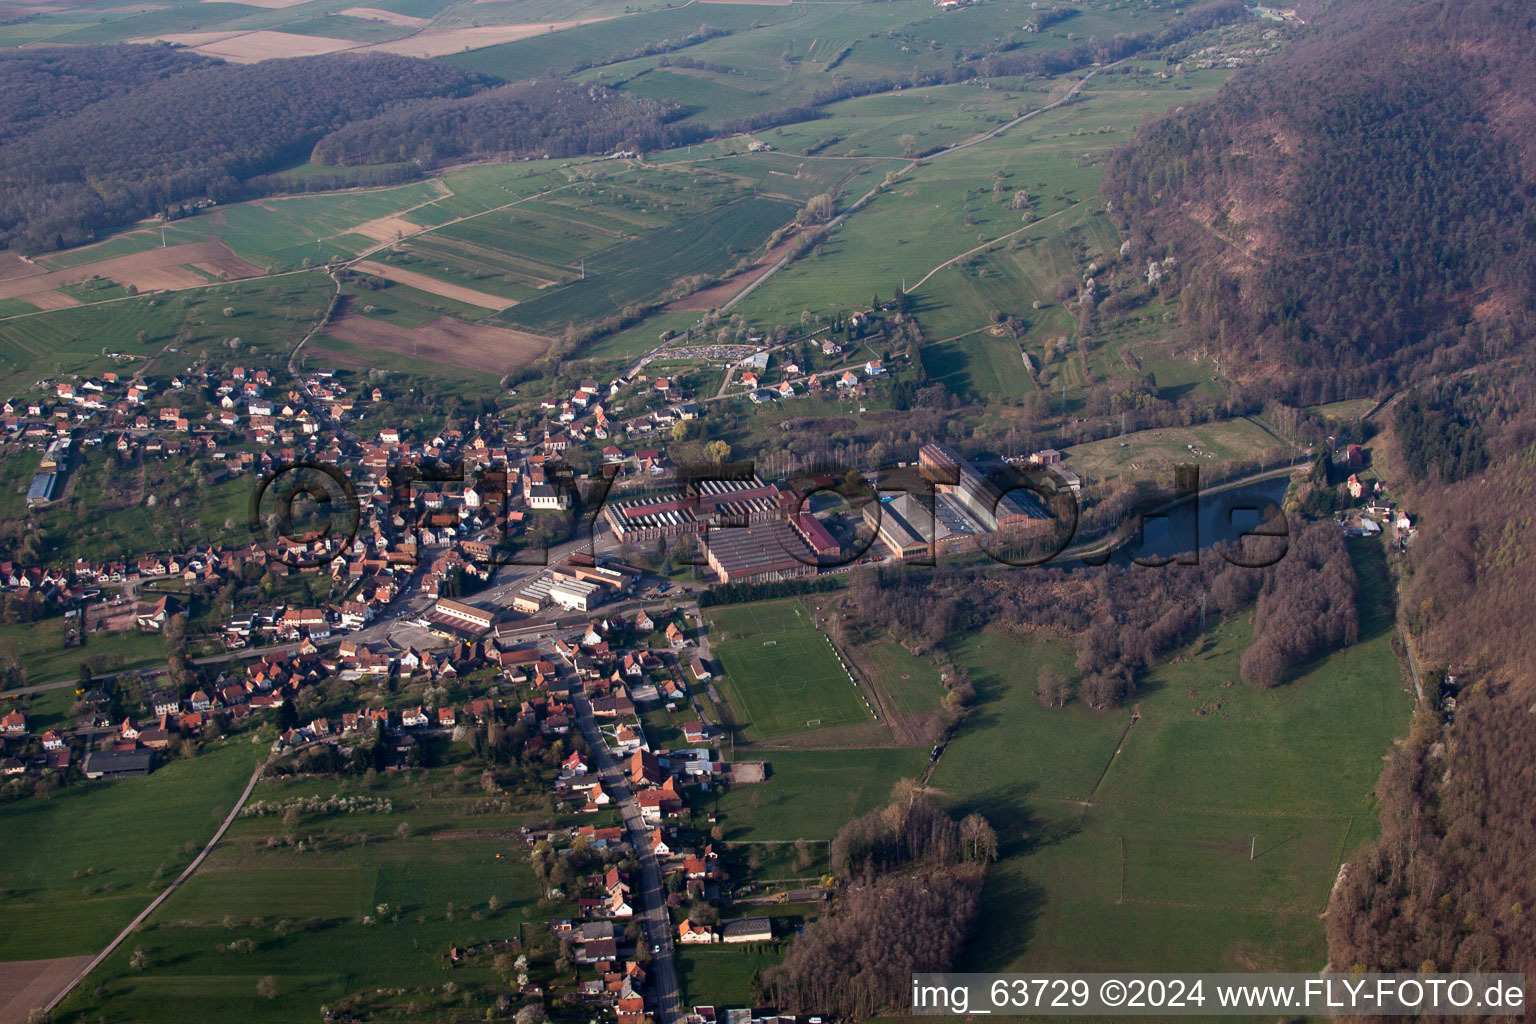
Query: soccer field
[(782, 675)]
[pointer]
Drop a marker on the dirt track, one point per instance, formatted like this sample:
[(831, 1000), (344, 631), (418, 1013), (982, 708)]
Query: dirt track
[(446, 341)]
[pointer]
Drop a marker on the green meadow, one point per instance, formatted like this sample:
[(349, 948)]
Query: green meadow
[(810, 794), (39, 647), (980, 366), (966, 200), (82, 863), (719, 976), (1126, 836), (268, 316), (332, 906)]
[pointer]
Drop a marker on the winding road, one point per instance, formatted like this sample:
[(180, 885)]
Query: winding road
[(957, 147)]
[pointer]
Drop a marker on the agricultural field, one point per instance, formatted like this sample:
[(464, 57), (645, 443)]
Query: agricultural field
[(950, 228), (256, 29), (333, 906), (782, 675), (442, 342), (1127, 835), (80, 865), (276, 233), (583, 46), (642, 269), (268, 317)]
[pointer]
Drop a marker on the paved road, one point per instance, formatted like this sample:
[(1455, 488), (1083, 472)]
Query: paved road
[(658, 925), (154, 905)]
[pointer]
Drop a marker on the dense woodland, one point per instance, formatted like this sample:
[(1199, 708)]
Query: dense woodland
[(912, 878), (1439, 435), (36, 85), (1308, 607), (543, 118), (1360, 208), (93, 138), (186, 130)]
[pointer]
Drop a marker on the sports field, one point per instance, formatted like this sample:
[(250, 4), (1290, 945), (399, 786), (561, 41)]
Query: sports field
[(782, 675)]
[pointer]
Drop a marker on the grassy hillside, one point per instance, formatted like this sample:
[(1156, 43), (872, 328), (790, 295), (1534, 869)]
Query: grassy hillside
[(1127, 836)]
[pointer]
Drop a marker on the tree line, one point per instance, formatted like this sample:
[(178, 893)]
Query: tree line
[(1307, 608), (1121, 617), (1438, 435), (542, 118), (912, 879)]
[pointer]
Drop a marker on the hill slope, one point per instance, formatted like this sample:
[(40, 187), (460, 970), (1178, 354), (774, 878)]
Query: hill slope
[(1360, 209), (1350, 218)]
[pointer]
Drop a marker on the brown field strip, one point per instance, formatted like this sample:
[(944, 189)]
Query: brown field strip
[(445, 340), (388, 17), (252, 47), (52, 300), (443, 41), (148, 270), (271, 5), (458, 293), (13, 267), (385, 229), (26, 985)]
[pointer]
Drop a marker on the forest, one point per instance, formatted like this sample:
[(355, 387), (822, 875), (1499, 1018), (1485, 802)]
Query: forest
[(92, 138), (39, 84), (911, 878), (541, 118), (92, 157), (1307, 608), (1439, 436), (1356, 209)]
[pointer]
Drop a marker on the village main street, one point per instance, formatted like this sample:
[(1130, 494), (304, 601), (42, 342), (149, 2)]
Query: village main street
[(658, 926)]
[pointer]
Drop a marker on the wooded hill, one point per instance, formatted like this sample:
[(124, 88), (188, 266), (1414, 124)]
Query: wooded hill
[(1360, 211), (95, 137), (160, 127), (1452, 880), (547, 117), (1361, 206)]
